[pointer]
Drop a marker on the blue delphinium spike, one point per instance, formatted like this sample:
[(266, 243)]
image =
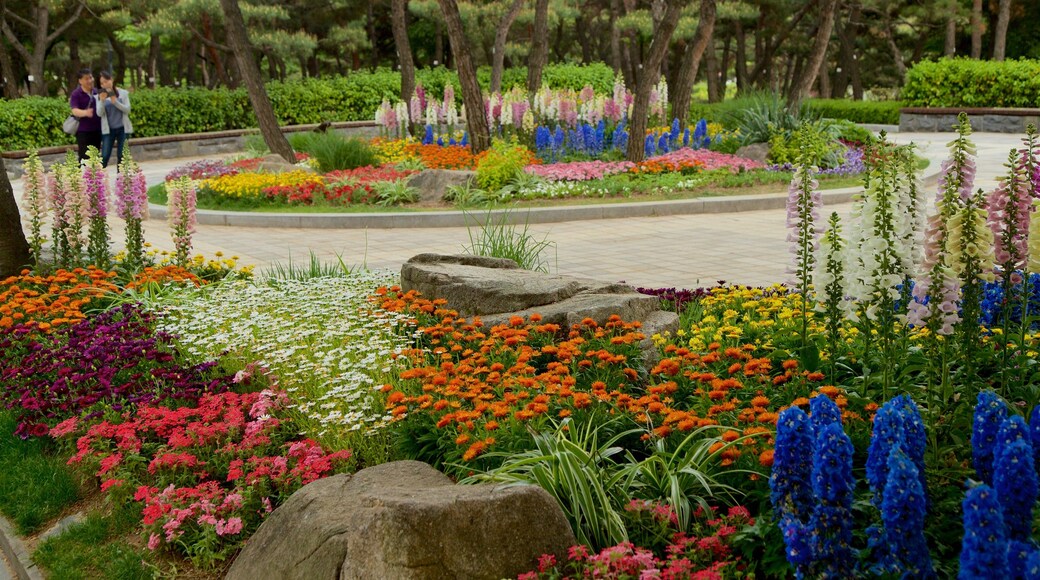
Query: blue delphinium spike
[(990, 413), (428, 136), (790, 483), (558, 140), (589, 137), (902, 511), (1034, 434), (1019, 553), (451, 140), (662, 143), (1014, 480), (686, 137), (822, 412), (601, 136), (833, 486), (465, 139), (542, 141), (984, 546), (1012, 429), (648, 146), (700, 131), (577, 140), (440, 140), (673, 135), (1032, 569), (915, 440), (888, 432)]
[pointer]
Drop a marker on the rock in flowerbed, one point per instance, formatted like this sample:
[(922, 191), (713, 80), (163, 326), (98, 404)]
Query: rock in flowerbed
[(432, 183), (497, 289), (405, 520)]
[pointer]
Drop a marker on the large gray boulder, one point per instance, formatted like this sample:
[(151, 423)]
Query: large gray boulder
[(274, 163), (404, 521), (432, 183), (755, 152), (497, 289)]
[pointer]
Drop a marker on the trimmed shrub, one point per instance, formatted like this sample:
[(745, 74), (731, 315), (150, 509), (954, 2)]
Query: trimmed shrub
[(877, 112), (963, 82), (36, 121)]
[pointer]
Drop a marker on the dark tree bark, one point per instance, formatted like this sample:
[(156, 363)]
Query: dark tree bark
[(438, 45), (817, 54), (154, 49), (976, 29), (243, 50), (740, 58), (399, 24), (498, 54), (539, 47), (711, 72), (120, 50), (764, 57), (897, 54), (370, 27), (849, 73), (583, 31), (8, 77), (824, 78), (950, 45), (648, 78), (38, 24), (14, 250), (615, 36), (691, 60), (472, 98), (1000, 32), (72, 71)]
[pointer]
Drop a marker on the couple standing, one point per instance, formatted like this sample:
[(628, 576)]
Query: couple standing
[(104, 116)]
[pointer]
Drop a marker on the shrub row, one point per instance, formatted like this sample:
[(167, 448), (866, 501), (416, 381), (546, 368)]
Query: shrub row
[(36, 122), (878, 112), (963, 82)]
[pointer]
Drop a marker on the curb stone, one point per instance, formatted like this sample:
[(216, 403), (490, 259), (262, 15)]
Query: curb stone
[(536, 215), (18, 563)]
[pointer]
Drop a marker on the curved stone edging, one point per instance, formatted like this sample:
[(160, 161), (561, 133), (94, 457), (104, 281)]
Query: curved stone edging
[(537, 215), (944, 119), (18, 563)]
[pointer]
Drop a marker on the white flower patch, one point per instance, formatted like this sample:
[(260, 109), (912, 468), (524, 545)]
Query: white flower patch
[(328, 346)]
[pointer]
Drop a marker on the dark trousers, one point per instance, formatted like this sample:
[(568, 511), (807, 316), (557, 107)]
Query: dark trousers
[(85, 139), (117, 138)]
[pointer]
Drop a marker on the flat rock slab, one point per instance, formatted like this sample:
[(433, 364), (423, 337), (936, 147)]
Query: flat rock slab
[(405, 521), (433, 183), (475, 285)]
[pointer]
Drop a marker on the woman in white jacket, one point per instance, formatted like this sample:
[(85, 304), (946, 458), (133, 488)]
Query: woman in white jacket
[(113, 107)]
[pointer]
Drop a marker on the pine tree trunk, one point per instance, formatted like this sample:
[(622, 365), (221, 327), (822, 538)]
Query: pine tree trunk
[(539, 47), (804, 82), (950, 46), (740, 68), (472, 98), (10, 89), (682, 89), (711, 72), (498, 55), (976, 29), (1000, 32), (649, 78), (238, 38), (399, 24), (14, 250)]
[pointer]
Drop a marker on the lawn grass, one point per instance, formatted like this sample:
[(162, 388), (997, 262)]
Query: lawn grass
[(35, 485), (102, 546)]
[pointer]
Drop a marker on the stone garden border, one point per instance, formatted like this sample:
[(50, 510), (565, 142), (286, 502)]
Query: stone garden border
[(989, 119), (186, 145)]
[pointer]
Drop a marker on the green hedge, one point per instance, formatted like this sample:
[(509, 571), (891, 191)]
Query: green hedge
[(875, 112), (963, 82), (36, 122)]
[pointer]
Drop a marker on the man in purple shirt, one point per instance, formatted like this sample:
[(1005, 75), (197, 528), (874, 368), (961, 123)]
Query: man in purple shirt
[(84, 107)]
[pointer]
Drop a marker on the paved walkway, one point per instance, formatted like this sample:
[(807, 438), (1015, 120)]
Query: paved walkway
[(681, 251)]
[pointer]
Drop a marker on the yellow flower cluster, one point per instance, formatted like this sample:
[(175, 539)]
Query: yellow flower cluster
[(741, 314), (251, 184), (393, 150)]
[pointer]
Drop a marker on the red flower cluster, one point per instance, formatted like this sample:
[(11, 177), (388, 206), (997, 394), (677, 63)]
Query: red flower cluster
[(220, 466), (343, 187)]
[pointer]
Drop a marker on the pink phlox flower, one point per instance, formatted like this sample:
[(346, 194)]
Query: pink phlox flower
[(230, 527), (153, 542), (64, 428)]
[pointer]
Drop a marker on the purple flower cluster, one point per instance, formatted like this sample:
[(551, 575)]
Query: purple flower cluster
[(108, 361), (852, 165), (204, 169), (679, 297)]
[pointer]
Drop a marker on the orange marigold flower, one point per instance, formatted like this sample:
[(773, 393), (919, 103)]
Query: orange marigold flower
[(790, 364), (565, 413), (462, 439), (830, 390), (475, 450), (800, 402), (766, 458), (686, 424), (760, 401), (730, 436), (734, 368)]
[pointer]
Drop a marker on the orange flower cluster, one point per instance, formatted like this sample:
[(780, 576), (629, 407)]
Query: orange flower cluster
[(45, 302), (442, 156), (655, 166), (478, 386), (475, 381), (170, 273)]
